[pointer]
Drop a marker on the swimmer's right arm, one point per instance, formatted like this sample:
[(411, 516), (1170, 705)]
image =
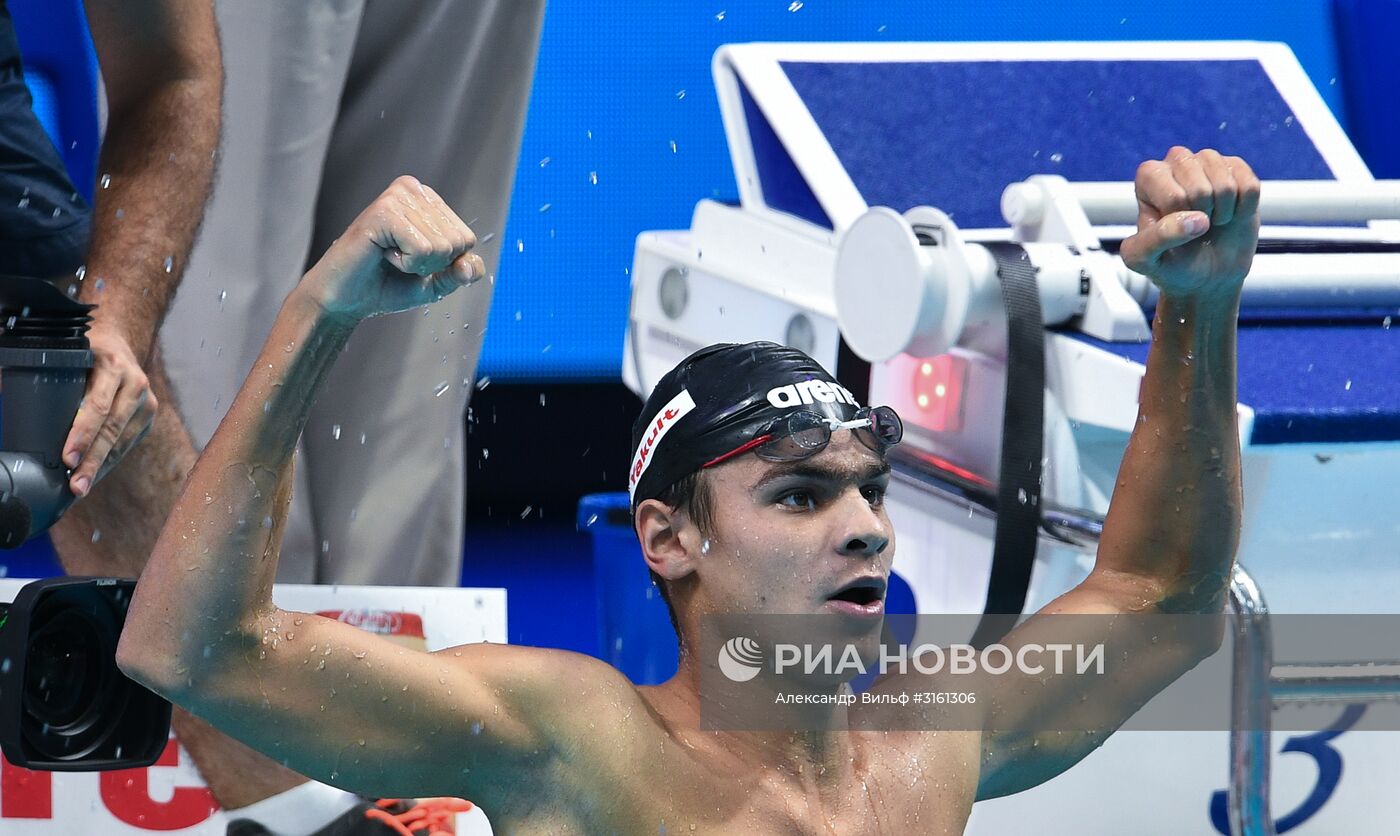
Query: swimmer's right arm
[(327, 699)]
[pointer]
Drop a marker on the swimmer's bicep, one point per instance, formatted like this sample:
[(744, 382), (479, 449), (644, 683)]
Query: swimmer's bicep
[(359, 711), (1051, 709), (1015, 763)]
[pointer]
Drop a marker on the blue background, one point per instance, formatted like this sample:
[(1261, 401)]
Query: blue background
[(608, 99)]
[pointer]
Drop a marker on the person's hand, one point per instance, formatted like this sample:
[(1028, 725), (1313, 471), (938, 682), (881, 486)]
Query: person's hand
[(407, 249), (1198, 224), (117, 410)]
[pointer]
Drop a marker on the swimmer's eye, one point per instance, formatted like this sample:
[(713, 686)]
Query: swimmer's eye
[(804, 500), (874, 494)]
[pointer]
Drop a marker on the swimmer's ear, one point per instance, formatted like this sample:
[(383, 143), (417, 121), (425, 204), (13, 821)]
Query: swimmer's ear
[(665, 536)]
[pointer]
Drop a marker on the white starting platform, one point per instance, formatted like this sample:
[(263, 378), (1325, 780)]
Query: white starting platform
[(871, 179)]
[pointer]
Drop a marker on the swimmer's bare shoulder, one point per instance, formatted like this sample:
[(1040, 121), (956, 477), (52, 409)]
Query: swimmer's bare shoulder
[(561, 742)]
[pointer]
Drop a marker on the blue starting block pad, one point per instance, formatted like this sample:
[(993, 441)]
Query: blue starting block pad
[(824, 131)]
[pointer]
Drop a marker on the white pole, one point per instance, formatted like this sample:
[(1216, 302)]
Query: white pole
[(1280, 201)]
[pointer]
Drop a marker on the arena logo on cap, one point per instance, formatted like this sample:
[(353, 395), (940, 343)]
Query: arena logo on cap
[(661, 424), (809, 391)]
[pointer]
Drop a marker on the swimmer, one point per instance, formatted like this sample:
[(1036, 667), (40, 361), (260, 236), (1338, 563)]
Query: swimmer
[(747, 498)]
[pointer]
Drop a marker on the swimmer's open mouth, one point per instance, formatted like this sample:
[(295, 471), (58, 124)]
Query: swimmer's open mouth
[(863, 592)]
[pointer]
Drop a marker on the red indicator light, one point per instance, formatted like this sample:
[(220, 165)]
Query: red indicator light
[(937, 392)]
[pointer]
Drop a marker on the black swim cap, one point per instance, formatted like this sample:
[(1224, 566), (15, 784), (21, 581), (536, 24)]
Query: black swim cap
[(718, 399)]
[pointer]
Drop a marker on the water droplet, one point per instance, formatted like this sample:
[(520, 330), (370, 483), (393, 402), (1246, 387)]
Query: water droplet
[(483, 382), (593, 177), (362, 438), (545, 208), (1347, 386), (519, 245), (526, 512), (106, 180), (673, 146), (335, 432), (325, 547), (169, 263), (795, 5), (441, 387), (544, 162), (1057, 157), (705, 546), (721, 14), (1222, 125), (541, 399), (24, 203), (486, 452), (96, 532), (1021, 496), (680, 94)]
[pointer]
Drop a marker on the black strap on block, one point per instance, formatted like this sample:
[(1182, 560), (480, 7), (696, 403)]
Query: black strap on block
[(1022, 445)]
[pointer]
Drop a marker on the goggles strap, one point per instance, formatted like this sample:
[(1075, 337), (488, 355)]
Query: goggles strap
[(739, 451)]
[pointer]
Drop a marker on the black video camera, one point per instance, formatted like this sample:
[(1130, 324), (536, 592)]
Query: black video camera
[(44, 362), (64, 704)]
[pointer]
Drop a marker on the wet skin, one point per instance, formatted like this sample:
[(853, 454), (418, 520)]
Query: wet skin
[(553, 742)]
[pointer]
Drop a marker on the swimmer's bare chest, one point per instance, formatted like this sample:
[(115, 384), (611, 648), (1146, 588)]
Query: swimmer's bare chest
[(903, 783)]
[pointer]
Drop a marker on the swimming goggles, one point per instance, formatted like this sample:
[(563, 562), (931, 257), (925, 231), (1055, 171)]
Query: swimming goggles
[(800, 435)]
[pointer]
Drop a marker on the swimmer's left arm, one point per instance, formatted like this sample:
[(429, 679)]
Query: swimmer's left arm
[(1173, 524)]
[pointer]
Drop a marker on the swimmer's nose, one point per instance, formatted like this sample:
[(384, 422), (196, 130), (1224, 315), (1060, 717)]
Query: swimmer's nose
[(864, 532)]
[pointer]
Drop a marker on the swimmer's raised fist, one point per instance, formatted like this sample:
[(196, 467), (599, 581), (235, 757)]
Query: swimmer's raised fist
[(1198, 224), (407, 249)]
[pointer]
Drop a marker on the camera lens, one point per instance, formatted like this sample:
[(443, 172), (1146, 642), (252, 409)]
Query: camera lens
[(70, 686), (64, 676)]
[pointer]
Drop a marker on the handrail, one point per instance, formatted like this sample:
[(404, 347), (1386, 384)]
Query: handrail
[(1252, 708), (1258, 685)]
